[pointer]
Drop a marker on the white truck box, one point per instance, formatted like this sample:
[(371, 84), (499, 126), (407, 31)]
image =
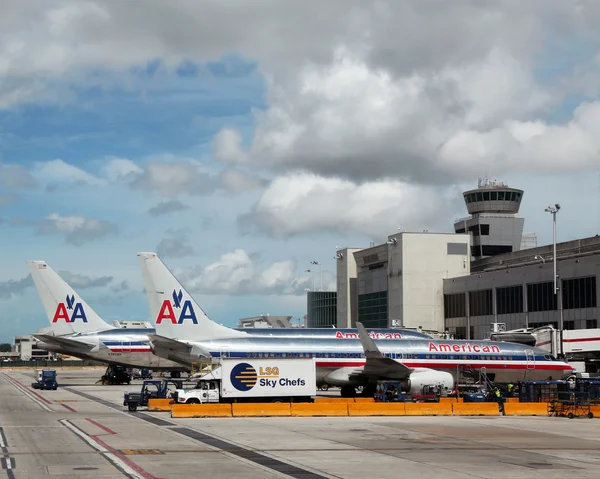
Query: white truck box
[(253, 379), (268, 377)]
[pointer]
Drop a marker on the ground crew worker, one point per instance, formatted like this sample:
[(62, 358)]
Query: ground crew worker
[(510, 389)]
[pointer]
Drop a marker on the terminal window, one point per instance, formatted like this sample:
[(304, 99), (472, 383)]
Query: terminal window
[(509, 300), (455, 305), (372, 309), (541, 297), (579, 293), (481, 303)]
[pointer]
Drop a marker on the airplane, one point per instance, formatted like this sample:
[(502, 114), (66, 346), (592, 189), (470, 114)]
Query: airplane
[(79, 331), (185, 334)]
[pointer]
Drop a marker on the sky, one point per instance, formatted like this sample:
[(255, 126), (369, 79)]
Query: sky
[(243, 140)]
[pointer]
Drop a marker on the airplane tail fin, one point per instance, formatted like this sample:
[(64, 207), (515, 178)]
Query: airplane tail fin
[(66, 311), (175, 314)]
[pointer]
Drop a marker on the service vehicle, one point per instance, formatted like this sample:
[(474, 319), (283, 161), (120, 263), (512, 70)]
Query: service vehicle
[(152, 389), (45, 379), (254, 380), (115, 374)]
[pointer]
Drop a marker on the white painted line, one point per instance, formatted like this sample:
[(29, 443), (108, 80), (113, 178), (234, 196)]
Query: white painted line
[(83, 435), (105, 452), (27, 393), (123, 466)]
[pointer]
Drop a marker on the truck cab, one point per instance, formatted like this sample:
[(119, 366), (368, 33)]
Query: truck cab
[(206, 391)]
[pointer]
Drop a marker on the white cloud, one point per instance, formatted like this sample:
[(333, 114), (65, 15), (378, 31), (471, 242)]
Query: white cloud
[(58, 171), (238, 181), (117, 169), (305, 203), (237, 272), (76, 229), (174, 178)]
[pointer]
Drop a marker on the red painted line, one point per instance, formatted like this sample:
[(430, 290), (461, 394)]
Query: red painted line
[(580, 340), (122, 457), (538, 365), (42, 398), (68, 407), (97, 424)]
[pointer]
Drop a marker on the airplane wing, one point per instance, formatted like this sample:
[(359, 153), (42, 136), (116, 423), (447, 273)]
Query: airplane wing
[(66, 343), (376, 364), (161, 343)]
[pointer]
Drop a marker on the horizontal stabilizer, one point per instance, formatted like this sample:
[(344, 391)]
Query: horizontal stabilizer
[(71, 344)]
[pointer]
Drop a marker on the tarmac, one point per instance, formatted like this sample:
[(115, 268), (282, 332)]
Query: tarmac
[(83, 430)]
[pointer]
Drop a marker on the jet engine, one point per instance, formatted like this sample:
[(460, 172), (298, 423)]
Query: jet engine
[(418, 379), (348, 378)]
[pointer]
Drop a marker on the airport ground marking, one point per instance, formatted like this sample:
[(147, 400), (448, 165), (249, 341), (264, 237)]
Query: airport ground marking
[(263, 460), (69, 408), (129, 468), (30, 394), (8, 463), (101, 426)]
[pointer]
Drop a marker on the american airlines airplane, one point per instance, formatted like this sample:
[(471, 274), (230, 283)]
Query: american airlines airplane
[(79, 331), (186, 335)]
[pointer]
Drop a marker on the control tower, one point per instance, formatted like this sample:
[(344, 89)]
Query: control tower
[(494, 223)]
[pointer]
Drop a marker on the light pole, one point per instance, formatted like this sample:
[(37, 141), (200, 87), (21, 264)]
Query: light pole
[(316, 263), (554, 209), (313, 277)]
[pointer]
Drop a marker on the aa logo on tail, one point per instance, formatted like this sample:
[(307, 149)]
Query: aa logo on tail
[(168, 313), (62, 311)]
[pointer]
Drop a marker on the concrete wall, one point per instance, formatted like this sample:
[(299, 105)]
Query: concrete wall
[(424, 265), (347, 298)]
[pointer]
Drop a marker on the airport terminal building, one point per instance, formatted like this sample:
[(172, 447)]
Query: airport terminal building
[(488, 271)]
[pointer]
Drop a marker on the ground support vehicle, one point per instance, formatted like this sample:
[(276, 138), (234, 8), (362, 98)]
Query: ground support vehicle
[(45, 379), (115, 374), (254, 380), (391, 391), (143, 373), (152, 389), (578, 405)]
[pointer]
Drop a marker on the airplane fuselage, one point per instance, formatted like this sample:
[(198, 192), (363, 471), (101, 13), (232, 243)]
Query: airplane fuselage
[(504, 362), (131, 347)]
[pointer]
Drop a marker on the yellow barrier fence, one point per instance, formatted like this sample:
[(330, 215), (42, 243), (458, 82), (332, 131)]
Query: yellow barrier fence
[(476, 409), (526, 409), (319, 409), (261, 409), (429, 409), (376, 409), (201, 410), (159, 405), (334, 400)]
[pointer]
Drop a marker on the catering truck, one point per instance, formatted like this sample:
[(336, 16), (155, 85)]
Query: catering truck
[(253, 380)]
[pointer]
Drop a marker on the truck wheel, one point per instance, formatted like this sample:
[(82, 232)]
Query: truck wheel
[(132, 407), (192, 401)]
